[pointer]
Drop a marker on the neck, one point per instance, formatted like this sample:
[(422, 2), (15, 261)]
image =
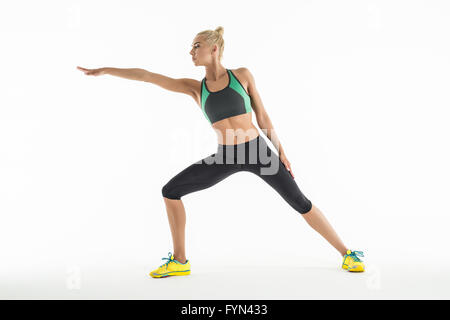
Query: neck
[(215, 72)]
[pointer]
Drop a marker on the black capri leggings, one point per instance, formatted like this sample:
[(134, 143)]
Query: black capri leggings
[(254, 156)]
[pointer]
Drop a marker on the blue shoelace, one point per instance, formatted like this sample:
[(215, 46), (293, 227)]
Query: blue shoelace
[(354, 255), (168, 260)]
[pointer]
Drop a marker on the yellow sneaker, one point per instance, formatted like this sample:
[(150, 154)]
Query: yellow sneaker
[(172, 268), (351, 261)]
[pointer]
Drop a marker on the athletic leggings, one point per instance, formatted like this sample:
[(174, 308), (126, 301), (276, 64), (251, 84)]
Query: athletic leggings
[(254, 156)]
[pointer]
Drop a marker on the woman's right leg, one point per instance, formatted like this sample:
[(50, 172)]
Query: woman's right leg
[(177, 221), (198, 176)]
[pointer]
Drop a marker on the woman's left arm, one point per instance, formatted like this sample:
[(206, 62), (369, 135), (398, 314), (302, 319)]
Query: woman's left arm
[(263, 120)]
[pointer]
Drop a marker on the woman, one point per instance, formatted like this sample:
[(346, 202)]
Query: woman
[(227, 98)]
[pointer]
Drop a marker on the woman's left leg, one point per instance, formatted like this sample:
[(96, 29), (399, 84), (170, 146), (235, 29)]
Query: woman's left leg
[(318, 222), (274, 172)]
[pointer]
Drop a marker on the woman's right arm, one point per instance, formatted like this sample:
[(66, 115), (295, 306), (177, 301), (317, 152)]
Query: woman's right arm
[(183, 85)]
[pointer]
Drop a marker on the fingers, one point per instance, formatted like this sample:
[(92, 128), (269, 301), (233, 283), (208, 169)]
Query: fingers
[(290, 171), (288, 167), (86, 71)]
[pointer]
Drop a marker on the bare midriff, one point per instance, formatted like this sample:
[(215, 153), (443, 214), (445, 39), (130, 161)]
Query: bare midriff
[(234, 130)]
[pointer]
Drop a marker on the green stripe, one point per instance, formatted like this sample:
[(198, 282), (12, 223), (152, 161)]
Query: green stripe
[(161, 274), (205, 95), (236, 86)]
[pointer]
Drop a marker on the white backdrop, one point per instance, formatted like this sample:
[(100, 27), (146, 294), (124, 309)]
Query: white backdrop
[(357, 92)]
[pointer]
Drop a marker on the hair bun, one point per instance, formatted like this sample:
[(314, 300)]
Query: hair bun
[(219, 30)]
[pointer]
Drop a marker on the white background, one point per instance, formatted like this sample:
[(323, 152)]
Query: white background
[(358, 94)]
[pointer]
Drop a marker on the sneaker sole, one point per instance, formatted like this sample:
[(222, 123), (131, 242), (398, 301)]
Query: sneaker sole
[(182, 273), (344, 266), (356, 270)]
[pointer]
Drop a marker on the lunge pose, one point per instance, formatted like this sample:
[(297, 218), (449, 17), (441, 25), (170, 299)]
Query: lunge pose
[(228, 98)]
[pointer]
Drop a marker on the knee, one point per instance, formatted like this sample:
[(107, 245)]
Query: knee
[(169, 192), (303, 205)]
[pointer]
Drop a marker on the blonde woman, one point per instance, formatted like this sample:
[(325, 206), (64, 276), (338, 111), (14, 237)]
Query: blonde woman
[(227, 98)]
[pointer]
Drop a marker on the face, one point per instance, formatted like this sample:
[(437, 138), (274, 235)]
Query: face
[(200, 52)]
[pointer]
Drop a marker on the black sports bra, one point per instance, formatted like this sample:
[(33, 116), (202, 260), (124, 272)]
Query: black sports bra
[(231, 101)]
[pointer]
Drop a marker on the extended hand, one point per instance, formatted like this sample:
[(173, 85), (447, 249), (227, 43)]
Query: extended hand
[(92, 72), (286, 163)]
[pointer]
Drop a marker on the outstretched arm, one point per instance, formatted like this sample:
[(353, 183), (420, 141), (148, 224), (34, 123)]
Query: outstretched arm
[(183, 85)]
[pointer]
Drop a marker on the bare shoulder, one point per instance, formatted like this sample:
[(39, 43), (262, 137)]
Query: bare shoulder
[(245, 77), (242, 71)]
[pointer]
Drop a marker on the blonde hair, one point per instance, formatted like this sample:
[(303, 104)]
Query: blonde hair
[(213, 37)]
